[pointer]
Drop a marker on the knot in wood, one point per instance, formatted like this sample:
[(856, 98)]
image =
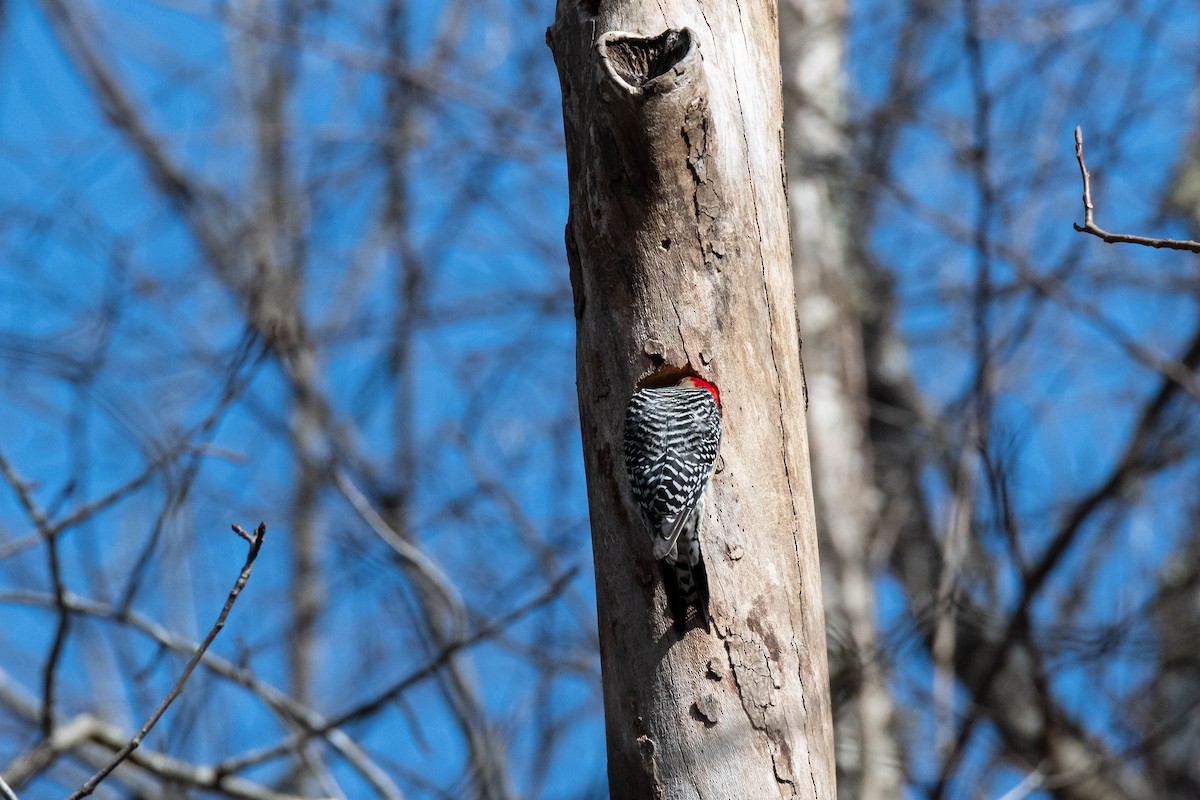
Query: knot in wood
[(635, 61)]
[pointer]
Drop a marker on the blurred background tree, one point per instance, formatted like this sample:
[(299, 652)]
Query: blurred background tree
[(302, 262)]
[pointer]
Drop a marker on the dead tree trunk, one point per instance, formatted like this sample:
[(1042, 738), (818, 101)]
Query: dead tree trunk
[(679, 253)]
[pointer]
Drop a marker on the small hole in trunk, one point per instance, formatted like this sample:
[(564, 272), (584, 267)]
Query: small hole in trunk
[(638, 60)]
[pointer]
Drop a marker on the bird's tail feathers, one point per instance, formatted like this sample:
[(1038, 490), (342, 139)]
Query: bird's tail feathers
[(686, 586)]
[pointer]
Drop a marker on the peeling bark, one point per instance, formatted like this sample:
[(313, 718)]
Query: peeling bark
[(680, 261)]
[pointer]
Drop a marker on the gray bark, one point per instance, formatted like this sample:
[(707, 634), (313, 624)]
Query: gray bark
[(680, 261)]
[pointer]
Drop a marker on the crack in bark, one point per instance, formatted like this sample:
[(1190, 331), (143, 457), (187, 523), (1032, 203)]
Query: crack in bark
[(706, 203), (757, 685), (804, 705)]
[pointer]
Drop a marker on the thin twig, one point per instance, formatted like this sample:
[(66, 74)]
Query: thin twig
[(63, 619), (290, 710), (391, 693), (233, 388), (177, 689), (425, 566), (1089, 214), (91, 508), (6, 792), (91, 740), (62, 624)]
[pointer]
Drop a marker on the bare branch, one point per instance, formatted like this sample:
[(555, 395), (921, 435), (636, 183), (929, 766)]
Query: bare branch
[(65, 737), (391, 693), (89, 509), (286, 707), (63, 618), (87, 730), (425, 566), (91, 739), (1089, 221), (177, 689)]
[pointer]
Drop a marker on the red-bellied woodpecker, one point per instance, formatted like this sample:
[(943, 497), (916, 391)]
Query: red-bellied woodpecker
[(671, 439)]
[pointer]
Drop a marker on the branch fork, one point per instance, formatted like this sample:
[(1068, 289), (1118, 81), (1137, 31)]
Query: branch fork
[(1089, 214)]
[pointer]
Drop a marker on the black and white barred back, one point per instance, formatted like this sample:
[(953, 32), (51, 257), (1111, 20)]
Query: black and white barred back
[(672, 435)]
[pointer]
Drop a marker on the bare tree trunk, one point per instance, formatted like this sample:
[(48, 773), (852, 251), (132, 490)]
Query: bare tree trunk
[(679, 253)]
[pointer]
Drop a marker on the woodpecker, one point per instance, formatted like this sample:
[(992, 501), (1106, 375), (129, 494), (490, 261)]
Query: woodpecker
[(671, 439)]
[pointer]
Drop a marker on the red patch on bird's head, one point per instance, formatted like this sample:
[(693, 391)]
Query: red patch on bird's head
[(699, 383)]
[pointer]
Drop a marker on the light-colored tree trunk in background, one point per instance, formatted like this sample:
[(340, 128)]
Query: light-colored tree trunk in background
[(830, 295), (679, 254)]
